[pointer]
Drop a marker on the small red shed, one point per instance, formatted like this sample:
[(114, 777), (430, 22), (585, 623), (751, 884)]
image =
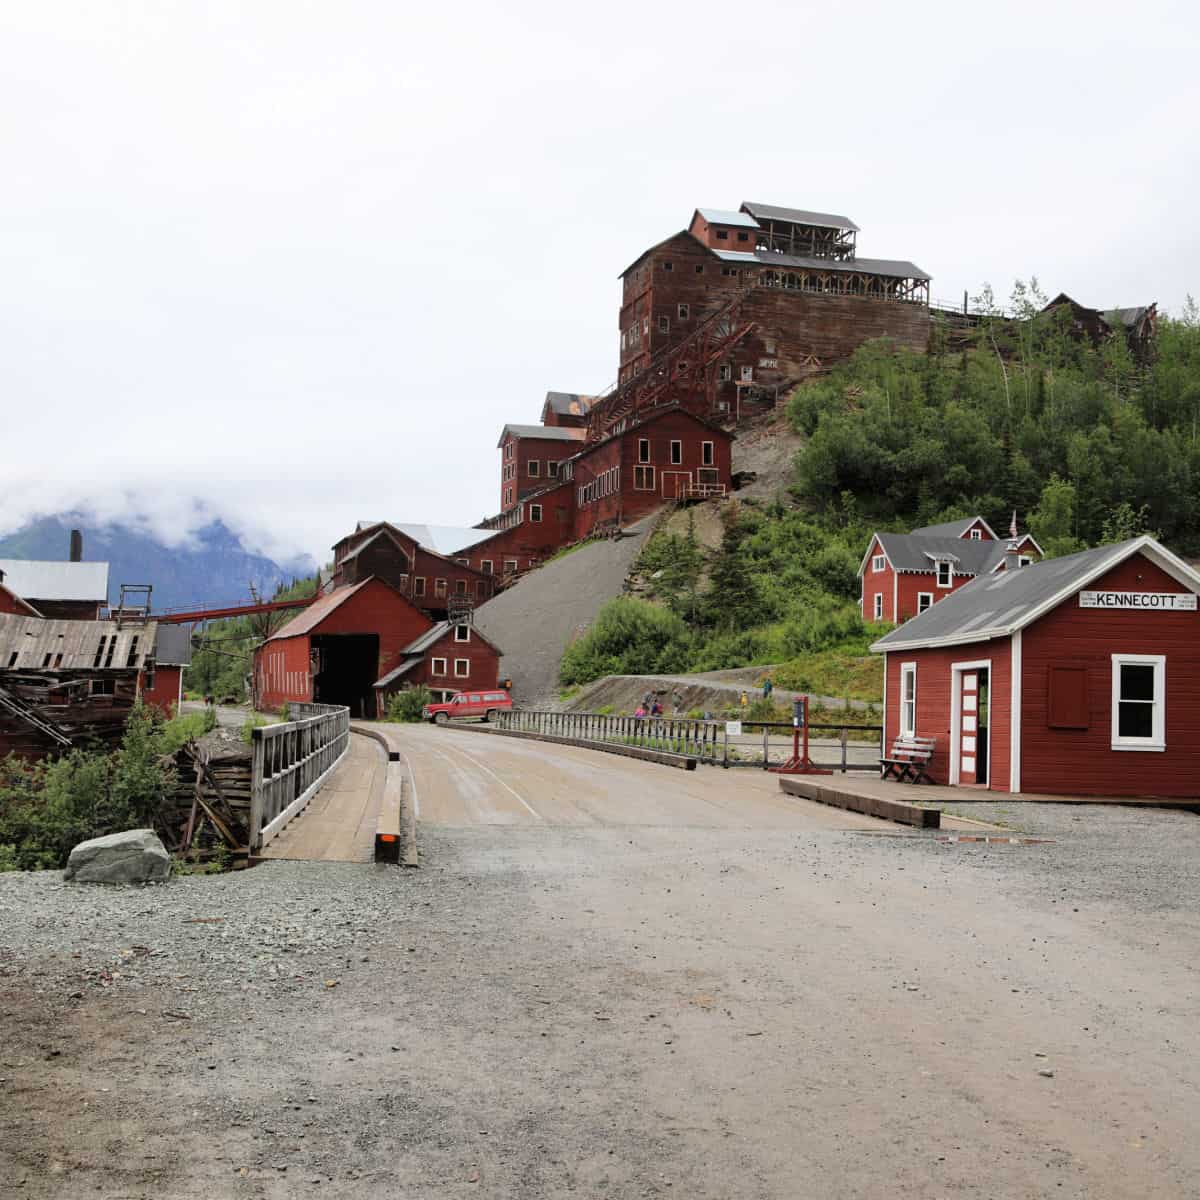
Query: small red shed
[(1076, 676), (448, 658)]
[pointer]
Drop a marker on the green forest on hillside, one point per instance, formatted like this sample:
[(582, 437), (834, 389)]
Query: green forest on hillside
[(1087, 446)]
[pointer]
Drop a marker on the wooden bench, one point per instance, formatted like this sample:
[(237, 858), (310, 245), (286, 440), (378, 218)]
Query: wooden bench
[(908, 760)]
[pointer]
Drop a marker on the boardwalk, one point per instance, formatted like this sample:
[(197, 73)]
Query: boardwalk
[(339, 823)]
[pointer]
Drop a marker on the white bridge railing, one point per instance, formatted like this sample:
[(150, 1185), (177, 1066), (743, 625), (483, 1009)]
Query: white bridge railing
[(291, 761)]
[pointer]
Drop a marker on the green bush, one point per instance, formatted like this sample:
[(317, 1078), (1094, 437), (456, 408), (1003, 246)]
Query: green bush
[(406, 706), (180, 730), (629, 637)]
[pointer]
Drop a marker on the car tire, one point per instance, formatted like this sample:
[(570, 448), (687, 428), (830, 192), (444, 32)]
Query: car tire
[(440, 718), (488, 716)]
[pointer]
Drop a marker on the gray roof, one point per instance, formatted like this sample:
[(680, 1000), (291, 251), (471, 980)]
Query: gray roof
[(1128, 317), (896, 268), (772, 212), (722, 216), (402, 669), (949, 528), (736, 255), (918, 552), (428, 638), (998, 605), (56, 580), (550, 433), (173, 646), (41, 645)]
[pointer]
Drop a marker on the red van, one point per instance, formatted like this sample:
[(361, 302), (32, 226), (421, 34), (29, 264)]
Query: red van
[(468, 704)]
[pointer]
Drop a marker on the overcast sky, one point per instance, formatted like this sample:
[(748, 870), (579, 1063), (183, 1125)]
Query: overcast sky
[(294, 264)]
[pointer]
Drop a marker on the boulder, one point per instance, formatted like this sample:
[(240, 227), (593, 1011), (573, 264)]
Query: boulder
[(135, 856)]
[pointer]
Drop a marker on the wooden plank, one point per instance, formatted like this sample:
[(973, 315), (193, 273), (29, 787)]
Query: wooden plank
[(840, 796)]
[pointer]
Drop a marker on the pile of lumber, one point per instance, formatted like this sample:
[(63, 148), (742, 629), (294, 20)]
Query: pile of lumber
[(208, 810)]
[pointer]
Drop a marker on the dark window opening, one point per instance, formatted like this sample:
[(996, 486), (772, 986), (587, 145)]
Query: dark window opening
[(668, 266), (723, 235), (743, 237)]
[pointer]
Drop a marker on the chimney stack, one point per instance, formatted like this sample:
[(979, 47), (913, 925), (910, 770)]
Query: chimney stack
[(76, 546), (1012, 556)]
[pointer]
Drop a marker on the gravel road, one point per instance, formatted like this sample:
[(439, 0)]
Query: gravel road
[(701, 1008)]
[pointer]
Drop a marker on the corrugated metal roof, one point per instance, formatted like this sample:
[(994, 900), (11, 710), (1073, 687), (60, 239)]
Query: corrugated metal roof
[(309, 618), (918, 552), (722, 216), (87, 581), (549, 433), (736, 255), (445, 539), (951, 528), (772, 212), (402, 669), (998, 605), (428, 638), (41, 645), (895, 268)]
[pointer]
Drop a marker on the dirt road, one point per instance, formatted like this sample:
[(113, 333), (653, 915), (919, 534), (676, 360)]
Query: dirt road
[(654, 984)]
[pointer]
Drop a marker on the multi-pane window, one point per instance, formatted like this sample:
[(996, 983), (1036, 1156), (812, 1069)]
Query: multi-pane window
[(945, 573), (439, 587), (1139, 701), (535, 512), (977, 535), (419, 585), (878, 562), (486, 566), (438, 666), (924, 601), (722, 235), (878, 609), (664, 324), (534, 467), (747, 374), (552, 468), (908, 700), (462, 668), (724, 372), (643, 479)]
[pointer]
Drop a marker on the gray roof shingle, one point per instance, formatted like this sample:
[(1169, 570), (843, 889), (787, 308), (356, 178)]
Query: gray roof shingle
[(772, 212), (895, 268), (918, 552)]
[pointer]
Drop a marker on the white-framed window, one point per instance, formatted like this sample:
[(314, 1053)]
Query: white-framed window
[(460, 587), (1139, 689), (908, 699), (510, 564), (418, 585), (1023, 560), (724, 372), (977, 535), (878, 563), (486, 566), (437, 666), (643, 450), (462, 633), (924, 601), (439, 587), (645, 326), (534, 467), (664, 324), (535, 512), (676, 453), (508, 449), (643, 479), (462, 668), (683, 312), (945, 573), (706, 454), (878, 609), (747, 374), (552, 468)]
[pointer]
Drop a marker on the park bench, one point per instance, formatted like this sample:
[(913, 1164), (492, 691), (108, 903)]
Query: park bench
[(908, 760)]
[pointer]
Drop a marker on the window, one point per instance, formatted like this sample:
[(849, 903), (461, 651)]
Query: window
[(419, 585), (645, 326), (462, 633), (552, 468), (643, 450), (676, 453), (924, 601), (508, 449), (743, 237), (908, 699), (724, 373), (769, 345), (878, 610), (438, 667), (462, 668), (706, 454), (439, 587), (878, 563), (977, 535), (747, 374), (510, 564), (683, 312), (486, 566), (535, 513), (1023, 560), (664, 324), (699, 268), (643, 479), (534, 467), (945, 573), (722, 235), (668, 266), (460, 587), (1139, 701)]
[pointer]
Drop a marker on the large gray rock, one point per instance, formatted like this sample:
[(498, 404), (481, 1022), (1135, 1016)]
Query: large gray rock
[(135, 856)]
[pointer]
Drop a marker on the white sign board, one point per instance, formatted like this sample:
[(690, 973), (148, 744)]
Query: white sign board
[(1155, 601), (733, 728)]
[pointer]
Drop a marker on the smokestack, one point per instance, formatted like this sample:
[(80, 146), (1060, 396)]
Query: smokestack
[(1012, 556), (76, 546)]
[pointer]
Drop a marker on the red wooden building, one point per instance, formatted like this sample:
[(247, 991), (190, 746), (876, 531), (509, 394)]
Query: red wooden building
[(446, 659), (531, 457), (1076, 675), (903, 574)]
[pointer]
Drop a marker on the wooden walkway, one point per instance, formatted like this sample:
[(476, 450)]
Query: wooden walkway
[(938, 796), (339, 823)]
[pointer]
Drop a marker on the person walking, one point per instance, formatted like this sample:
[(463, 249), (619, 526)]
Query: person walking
[(676, 702), (768, 688)]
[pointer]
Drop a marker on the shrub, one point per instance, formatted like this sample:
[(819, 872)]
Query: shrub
[(406, 706), (629, 637)]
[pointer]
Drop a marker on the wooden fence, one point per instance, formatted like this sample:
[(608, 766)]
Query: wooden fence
[(291, 761), (761, 744)]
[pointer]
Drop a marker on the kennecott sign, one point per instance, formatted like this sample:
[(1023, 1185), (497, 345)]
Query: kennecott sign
[(1163, 601)]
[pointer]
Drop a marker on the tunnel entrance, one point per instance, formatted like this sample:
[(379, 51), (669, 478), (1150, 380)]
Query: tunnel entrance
[(347, 667)]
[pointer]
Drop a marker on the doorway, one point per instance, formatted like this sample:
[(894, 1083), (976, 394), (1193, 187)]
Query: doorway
[(970, 721), (347, 667)]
